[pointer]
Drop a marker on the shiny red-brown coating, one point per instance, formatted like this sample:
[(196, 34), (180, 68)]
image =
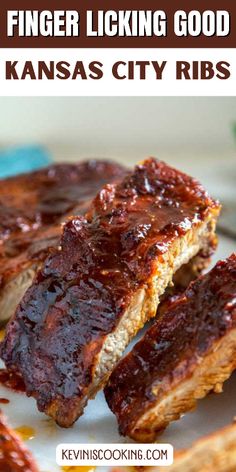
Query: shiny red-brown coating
[(83, 289), (187, 328), (32, 207), (12, 380), (14, 456), (21, 251), (44, 197)]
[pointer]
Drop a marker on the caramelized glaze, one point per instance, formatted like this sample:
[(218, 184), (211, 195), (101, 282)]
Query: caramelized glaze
[(32, 207), (12, 380), (14, 457), (186, 329), (41, 198), (84, 288)]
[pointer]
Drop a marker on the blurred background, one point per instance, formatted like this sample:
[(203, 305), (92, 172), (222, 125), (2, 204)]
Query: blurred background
[(195, 134), (124, 128)]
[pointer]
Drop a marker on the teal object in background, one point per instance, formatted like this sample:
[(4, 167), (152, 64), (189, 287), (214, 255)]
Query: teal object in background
[(23, 159)]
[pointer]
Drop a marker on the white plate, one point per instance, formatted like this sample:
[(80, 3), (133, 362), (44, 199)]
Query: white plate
[(98, 424)]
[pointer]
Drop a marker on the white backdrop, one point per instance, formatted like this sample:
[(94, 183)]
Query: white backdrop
[(108, 85)]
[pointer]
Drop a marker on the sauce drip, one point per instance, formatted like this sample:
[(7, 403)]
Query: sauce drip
[(14, 456), (4, 401), (80, 468), (2, 334), (25, 432), (179, 340), (12, 380)]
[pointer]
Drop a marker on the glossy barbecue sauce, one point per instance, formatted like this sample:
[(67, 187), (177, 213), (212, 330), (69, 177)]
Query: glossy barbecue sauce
[(83, 289), (12, 380), (25, 432), (9, 379), (77, 469), (14, 456), (2, 334), (187, 328), (41, 198), (4, 401), (46, 198)]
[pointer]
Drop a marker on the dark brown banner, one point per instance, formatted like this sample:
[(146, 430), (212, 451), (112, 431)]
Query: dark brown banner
[(170, 40)]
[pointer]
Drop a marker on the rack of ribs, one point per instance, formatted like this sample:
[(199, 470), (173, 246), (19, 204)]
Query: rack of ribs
[(94, 293), (189, 351), (32, 207), (14, 456)]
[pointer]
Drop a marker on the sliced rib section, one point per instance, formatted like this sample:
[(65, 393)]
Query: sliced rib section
[(32, 208), (215, 452), (189, 351), (94, 293)]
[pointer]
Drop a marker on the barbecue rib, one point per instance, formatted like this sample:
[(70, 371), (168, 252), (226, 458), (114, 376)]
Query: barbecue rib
[(14, 457), (32, 207), (190, 350), (93, 295), (215, 452)]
